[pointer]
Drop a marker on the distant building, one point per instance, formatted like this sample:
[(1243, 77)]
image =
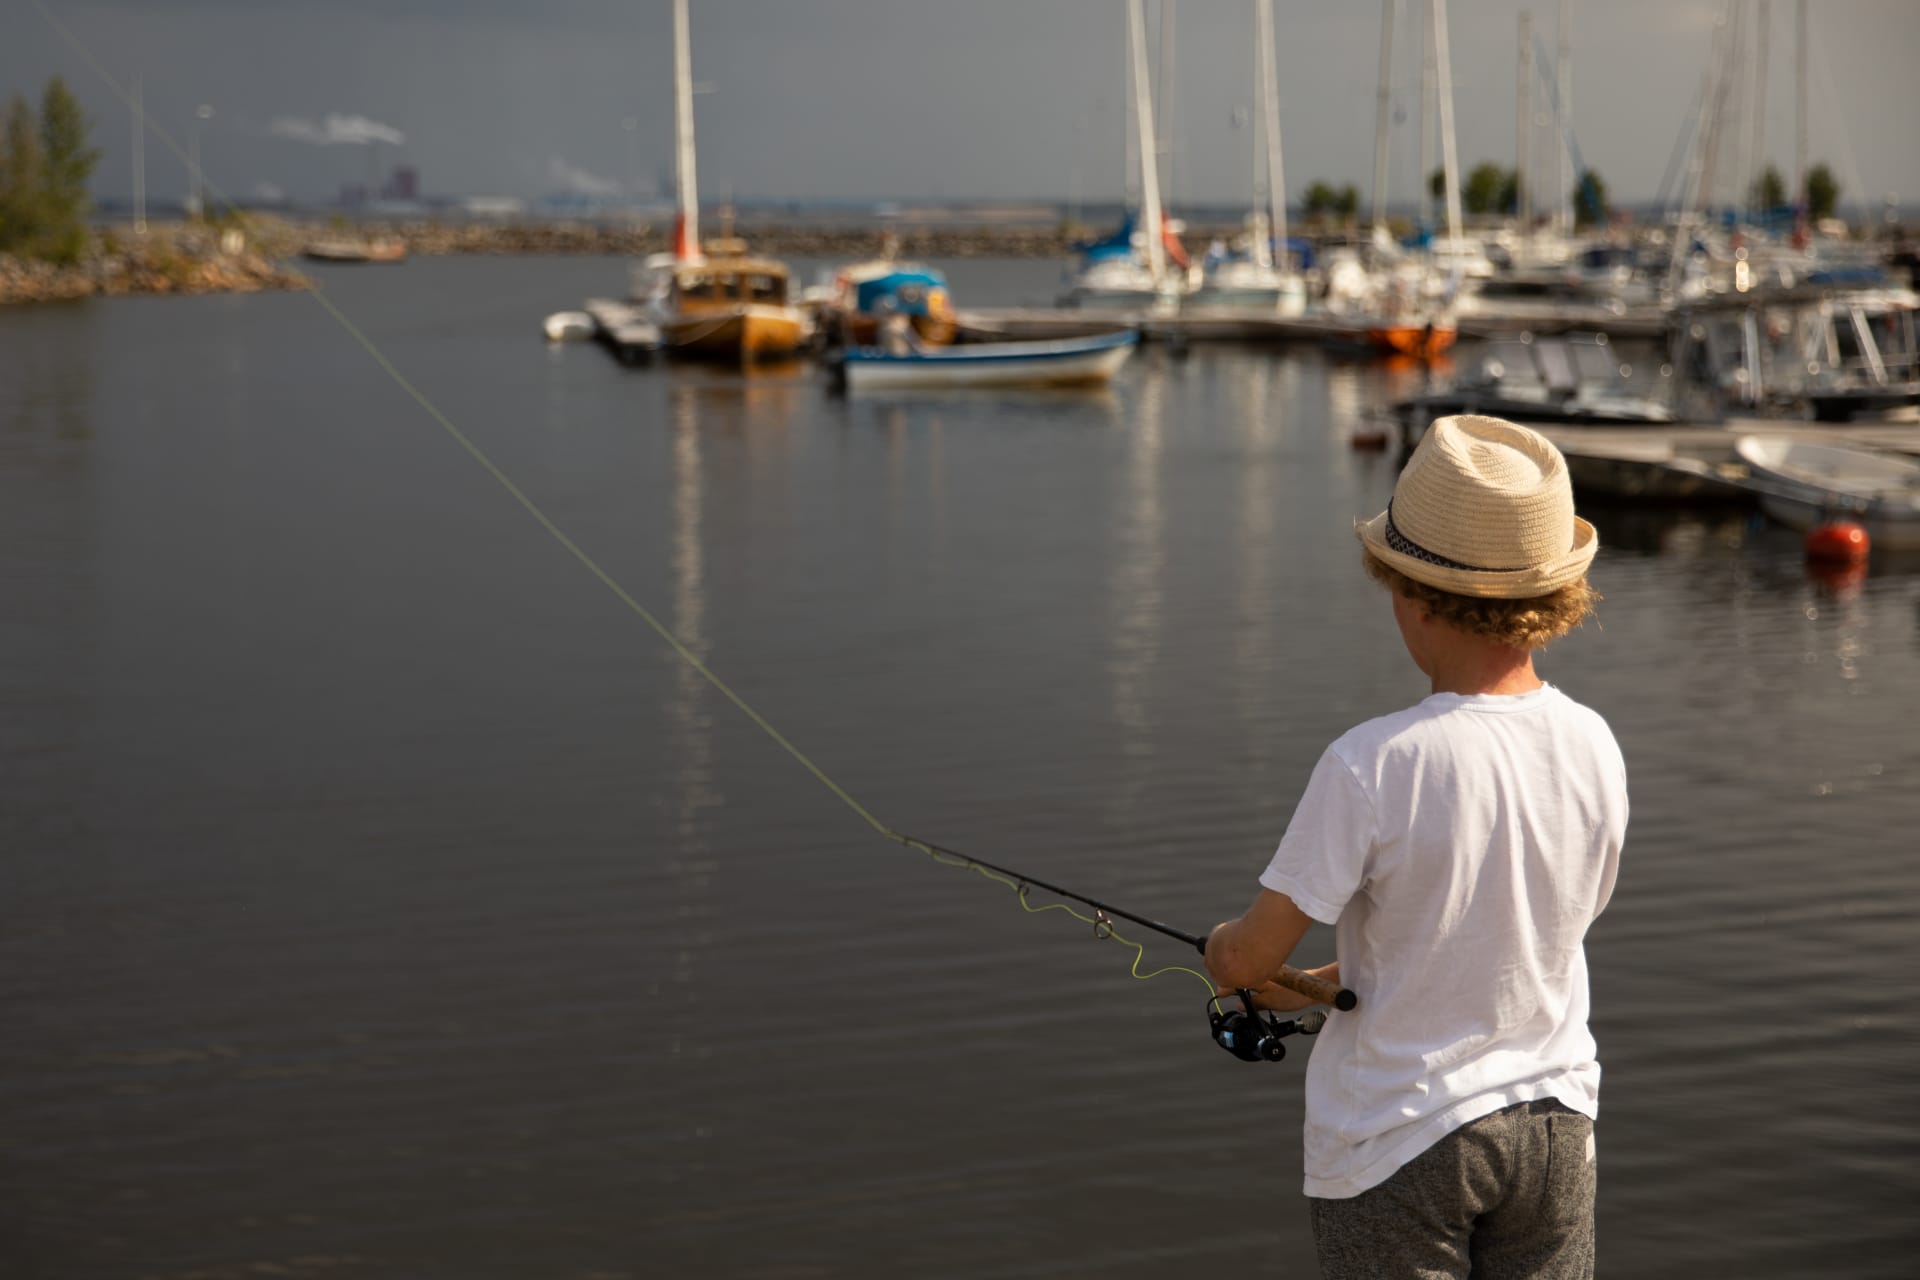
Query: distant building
[(353, 195), (404, 185)]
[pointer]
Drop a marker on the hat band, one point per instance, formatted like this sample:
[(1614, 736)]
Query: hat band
[(1406, 546)]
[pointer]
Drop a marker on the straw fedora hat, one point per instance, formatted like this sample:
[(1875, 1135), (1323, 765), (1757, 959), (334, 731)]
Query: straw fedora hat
[(1483, 508)]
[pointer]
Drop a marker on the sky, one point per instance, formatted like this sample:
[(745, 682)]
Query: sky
[(912, 100)]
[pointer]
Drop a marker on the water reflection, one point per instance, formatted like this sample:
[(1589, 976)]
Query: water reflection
[(1136, 590), (1666, 530), (46, 400), (690, 861), (1255, 601)]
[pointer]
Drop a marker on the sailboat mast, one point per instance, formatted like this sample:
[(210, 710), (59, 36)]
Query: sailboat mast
[(1150, 218), (687, 233), (1449, 157), (1563, 122), (1426, 130), (1270, 114), (1800, 109), (1757, 145), (1389, 15), (1163, 152), (1523, 128)]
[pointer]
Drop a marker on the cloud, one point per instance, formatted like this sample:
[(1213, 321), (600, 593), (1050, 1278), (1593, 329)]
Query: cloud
[(578, 181), (336, 130)]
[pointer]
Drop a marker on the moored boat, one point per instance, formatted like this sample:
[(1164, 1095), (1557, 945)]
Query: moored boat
[(376, 249), (729, 306), (868, 294), (1421, 341), (1133, 268), (1802, 483), (1571, 379), (714, 303), (1060, 363)]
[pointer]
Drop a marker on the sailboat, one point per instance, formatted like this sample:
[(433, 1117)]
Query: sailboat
[(1131, 268), (714, 303), (1255, 278), (1408, 320)]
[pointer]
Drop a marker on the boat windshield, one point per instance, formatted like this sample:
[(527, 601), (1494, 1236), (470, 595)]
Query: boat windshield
[(1560, 364), (764, 287), (698, 286)]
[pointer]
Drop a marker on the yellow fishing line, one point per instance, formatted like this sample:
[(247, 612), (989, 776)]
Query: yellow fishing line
[(592, 566)]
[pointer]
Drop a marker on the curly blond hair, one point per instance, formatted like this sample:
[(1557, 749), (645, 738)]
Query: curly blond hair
[(1523, 624)]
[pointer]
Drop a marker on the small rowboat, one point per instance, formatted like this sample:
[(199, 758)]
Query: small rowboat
[(1801, 484), (1063, 362)]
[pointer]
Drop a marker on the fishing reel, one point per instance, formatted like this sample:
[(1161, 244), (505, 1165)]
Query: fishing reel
[(1254, 1035)]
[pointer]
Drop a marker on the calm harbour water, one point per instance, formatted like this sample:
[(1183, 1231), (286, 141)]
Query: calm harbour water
[(382, 898)]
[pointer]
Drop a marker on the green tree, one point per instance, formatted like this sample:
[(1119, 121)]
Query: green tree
[(68, 164), (1769, 190), (1347, 204), (1590, 200), (1437, 184), (22, 178), (1508, 200), (1320, 200), (1485, 188), (1823, 192)]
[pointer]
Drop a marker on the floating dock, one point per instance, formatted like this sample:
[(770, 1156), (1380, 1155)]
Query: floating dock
[(1187, 324), (1263, 325), (623, 329)]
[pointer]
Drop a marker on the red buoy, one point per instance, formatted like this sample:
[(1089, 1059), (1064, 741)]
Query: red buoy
[(1838, 542)]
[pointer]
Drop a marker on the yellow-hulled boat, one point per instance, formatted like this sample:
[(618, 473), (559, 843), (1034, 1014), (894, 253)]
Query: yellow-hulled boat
[(728, 306)]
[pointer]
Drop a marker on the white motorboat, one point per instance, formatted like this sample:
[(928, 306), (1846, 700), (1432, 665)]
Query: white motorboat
[(1063, 362), (1802, 483)]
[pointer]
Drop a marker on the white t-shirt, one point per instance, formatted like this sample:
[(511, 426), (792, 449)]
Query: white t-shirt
[(1460, 848)]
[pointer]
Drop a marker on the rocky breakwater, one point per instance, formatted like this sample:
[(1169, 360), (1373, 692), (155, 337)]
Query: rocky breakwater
[(156, 263)]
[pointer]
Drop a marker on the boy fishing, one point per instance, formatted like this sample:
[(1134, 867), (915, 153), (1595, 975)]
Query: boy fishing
[(1460, 848)]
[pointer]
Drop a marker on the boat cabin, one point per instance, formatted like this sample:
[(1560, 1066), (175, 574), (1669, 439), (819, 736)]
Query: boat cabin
[(726, 282), (1837, 353)]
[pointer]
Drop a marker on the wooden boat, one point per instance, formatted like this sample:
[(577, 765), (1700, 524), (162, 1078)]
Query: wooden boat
[(1060, 363), (343, 250), (1802, 483), (730, 307), (715, 303)]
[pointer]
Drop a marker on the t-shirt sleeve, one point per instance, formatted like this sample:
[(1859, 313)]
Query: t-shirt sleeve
[(1322, 858)]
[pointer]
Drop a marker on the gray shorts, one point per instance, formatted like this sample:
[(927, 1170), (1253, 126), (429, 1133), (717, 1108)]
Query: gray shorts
[(1508, 1195)]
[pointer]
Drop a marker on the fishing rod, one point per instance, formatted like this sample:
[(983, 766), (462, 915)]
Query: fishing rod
[(1248, 1033)]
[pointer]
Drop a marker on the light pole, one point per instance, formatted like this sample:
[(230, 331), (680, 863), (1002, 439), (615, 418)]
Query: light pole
[(631, 125), (196, 200)]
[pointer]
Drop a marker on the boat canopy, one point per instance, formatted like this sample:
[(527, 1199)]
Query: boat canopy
[(904, 292)]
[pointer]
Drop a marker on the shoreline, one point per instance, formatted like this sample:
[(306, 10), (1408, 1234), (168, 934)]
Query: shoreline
[(259, 253), (181, 259)]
